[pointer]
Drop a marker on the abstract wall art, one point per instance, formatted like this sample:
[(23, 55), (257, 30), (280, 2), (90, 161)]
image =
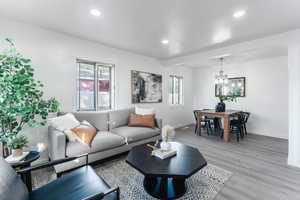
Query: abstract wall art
[(146, 87)]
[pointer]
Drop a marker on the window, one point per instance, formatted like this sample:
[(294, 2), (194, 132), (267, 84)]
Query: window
[(95, 88), (176, 90)]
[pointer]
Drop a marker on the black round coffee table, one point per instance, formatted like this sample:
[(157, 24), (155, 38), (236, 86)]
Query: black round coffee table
[(165, 179)]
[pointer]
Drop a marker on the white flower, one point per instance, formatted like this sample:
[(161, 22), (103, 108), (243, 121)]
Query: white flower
[(168, 133)]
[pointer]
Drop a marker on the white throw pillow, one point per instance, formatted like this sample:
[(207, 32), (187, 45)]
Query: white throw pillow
[(144, 111), (64, 122)]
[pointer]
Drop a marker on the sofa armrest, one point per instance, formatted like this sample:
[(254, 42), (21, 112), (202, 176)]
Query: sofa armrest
[(56, 143), (158, 123)]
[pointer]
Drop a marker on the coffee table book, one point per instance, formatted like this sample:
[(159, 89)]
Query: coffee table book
[(162, 154)]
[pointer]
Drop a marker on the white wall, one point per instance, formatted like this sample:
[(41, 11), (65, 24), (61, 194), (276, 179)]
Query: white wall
[(266, 93), (294, 106), (54, 59)]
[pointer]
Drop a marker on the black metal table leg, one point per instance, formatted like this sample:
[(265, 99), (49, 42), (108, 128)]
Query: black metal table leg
[(26, 177)]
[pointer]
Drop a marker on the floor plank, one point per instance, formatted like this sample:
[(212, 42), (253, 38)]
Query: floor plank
[(258, 163)]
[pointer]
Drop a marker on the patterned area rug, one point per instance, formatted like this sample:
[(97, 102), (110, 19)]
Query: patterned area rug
[(203, 185)]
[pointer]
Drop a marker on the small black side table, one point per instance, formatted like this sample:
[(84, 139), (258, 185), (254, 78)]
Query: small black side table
[(26, 162)]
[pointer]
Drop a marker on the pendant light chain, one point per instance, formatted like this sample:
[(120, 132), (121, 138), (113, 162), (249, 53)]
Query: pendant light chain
[(221, 78)]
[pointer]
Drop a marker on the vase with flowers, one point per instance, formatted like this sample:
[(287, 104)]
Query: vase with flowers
[(221, 106), (168, 134)]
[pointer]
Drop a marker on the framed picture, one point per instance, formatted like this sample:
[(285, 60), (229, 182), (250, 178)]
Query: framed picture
[(146, 87), (235, 86)]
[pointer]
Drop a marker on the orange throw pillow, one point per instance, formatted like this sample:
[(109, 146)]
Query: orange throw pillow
[(141, 120), (85, 133)]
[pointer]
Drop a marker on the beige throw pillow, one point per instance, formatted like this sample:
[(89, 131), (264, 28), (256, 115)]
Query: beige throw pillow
[(85, 133)]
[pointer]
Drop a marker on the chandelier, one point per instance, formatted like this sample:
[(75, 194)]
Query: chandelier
[(221, 77)]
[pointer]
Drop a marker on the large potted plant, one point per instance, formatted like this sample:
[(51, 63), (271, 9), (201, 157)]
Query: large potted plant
[(16, 144), (21, 99)]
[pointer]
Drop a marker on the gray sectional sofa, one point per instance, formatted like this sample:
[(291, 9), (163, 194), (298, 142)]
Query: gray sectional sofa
[(113, 137)]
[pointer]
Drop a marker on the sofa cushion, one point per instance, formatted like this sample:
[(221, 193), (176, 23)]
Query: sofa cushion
[(102, 141), (98, 119), (76, 148), (105, 140), (133, 134), (119, 117)]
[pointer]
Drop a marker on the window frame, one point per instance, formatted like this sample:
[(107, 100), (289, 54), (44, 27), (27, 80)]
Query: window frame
[(180, 98), (96, 66)]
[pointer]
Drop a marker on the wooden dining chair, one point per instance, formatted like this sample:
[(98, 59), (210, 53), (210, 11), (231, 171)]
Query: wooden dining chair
[(236, 126), (207, 122), (246, 116)]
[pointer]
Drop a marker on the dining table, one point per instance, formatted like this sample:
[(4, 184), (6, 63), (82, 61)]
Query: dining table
[(212, 113)]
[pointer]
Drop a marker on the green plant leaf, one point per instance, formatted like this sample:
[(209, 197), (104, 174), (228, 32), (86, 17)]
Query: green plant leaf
[(21, 98)]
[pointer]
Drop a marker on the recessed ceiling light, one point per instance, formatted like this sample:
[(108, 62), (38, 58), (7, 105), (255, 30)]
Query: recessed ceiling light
[(239, 14), (95, 12), (165, 41)]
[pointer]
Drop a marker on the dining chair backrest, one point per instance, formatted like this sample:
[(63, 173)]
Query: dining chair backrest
[(238, 117), (246, 116)]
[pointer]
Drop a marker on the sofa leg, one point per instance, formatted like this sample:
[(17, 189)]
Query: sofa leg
[(58, 175)]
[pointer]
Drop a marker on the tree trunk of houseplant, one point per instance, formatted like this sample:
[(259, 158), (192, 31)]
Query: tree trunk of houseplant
[(4, 150)]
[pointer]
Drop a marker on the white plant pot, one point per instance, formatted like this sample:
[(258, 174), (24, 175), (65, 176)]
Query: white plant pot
[(17, 152)]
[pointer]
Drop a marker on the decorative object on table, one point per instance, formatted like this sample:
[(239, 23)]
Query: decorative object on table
[(13, 159), (163, 154), (146, 87), (235, 87), (160, 153), (26, 161), (168, 134), (16, 144), (21, 97), (221, 106)]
